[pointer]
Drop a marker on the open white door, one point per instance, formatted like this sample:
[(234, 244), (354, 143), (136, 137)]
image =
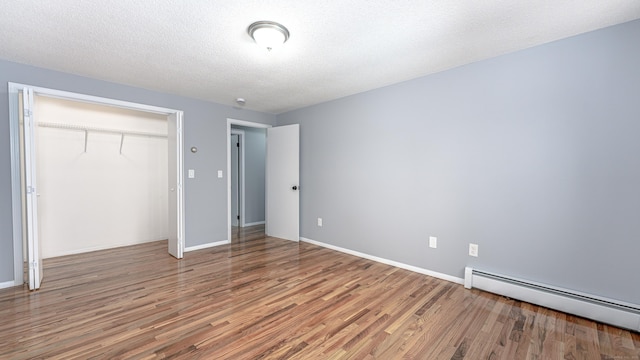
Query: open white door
[(176, 196), (34, 257), (283, 197)]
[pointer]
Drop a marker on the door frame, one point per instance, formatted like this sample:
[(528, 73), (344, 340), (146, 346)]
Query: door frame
[(14, 136), (244, 123), (241, 165)]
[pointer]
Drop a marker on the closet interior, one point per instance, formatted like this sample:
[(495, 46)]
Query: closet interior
[(101, 176)]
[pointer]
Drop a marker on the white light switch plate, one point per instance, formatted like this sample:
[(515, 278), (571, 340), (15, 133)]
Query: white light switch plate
[(433, 242), (319, 221), (220, 174), (192, 173)]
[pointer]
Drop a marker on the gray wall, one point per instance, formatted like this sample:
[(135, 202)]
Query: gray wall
[(255, 147), (204, 126), (534, 155)]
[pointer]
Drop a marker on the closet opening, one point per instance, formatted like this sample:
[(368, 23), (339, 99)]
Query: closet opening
[(101, 176), (91, 173)]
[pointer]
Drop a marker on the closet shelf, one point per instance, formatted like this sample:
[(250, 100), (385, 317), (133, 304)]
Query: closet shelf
[(88, 129), (102, 130)]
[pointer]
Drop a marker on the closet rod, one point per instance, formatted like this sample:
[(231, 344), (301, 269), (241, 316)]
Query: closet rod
[(102, 130)]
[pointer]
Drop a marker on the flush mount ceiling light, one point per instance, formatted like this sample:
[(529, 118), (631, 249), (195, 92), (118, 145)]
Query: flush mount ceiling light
[(268, 34)]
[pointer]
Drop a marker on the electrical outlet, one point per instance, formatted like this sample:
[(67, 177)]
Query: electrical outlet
[(473, 250), (192, 173), (433, 242), (319, 221)]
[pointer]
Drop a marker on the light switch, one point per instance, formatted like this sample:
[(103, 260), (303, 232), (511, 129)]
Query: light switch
[(192, 173), (220, 174)]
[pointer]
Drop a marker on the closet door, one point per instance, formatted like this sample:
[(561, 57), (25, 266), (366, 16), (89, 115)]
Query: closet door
[(175, 205), (34, 257)]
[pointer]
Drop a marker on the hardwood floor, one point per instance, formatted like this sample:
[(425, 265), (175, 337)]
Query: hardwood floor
[(266, 298)]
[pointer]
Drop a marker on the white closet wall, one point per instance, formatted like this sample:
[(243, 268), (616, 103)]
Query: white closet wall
[(100, 198)]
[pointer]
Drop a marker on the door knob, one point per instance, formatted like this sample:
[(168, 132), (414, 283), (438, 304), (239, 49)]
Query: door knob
[(294, 187)]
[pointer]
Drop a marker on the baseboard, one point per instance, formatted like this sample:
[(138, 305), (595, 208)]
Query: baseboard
[(7, 284), (206, 246), (99, 248), (254, 223), (400, 265)]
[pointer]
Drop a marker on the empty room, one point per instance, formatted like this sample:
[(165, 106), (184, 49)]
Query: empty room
[(327, 180)]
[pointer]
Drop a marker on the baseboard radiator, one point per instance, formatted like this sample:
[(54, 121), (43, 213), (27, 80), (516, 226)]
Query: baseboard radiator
[(604, 310)]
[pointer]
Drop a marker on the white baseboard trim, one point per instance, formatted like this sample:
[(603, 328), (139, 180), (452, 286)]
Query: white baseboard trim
[(7, 284), (419, 270), (254, 223), (99, 248), (206, 246)]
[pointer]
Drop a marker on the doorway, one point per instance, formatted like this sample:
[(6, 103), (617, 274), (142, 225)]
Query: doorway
[(248, 170), (237, 178), (25, 204), (281, 177)]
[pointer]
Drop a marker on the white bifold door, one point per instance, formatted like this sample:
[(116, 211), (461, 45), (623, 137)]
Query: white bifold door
[(176, 191), (34, 258), (283, 195)]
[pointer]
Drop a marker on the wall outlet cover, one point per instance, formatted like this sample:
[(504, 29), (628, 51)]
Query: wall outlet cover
[(433, 242), (473, 250), (319, 221)]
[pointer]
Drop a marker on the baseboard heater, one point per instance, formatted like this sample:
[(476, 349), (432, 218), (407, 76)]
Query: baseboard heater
[(608, 311)]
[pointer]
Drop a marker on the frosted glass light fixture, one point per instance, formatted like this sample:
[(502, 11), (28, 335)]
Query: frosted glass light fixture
[(268, 34)]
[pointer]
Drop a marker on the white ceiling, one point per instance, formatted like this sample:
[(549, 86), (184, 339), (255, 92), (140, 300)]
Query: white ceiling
[(201, 49)]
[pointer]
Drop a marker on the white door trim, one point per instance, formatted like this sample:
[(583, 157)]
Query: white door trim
[(16, 191), (231, 122), (14, 136)]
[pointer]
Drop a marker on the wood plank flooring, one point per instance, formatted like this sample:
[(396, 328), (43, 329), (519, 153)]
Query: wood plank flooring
[(267, 298)]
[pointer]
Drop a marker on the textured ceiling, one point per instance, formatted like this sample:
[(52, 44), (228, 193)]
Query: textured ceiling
[(200, 48)]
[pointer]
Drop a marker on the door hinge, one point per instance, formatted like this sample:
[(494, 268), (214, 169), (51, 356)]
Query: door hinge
[(33, 265), (238, 144), (30, 189), (238, 217), (27, 112)]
